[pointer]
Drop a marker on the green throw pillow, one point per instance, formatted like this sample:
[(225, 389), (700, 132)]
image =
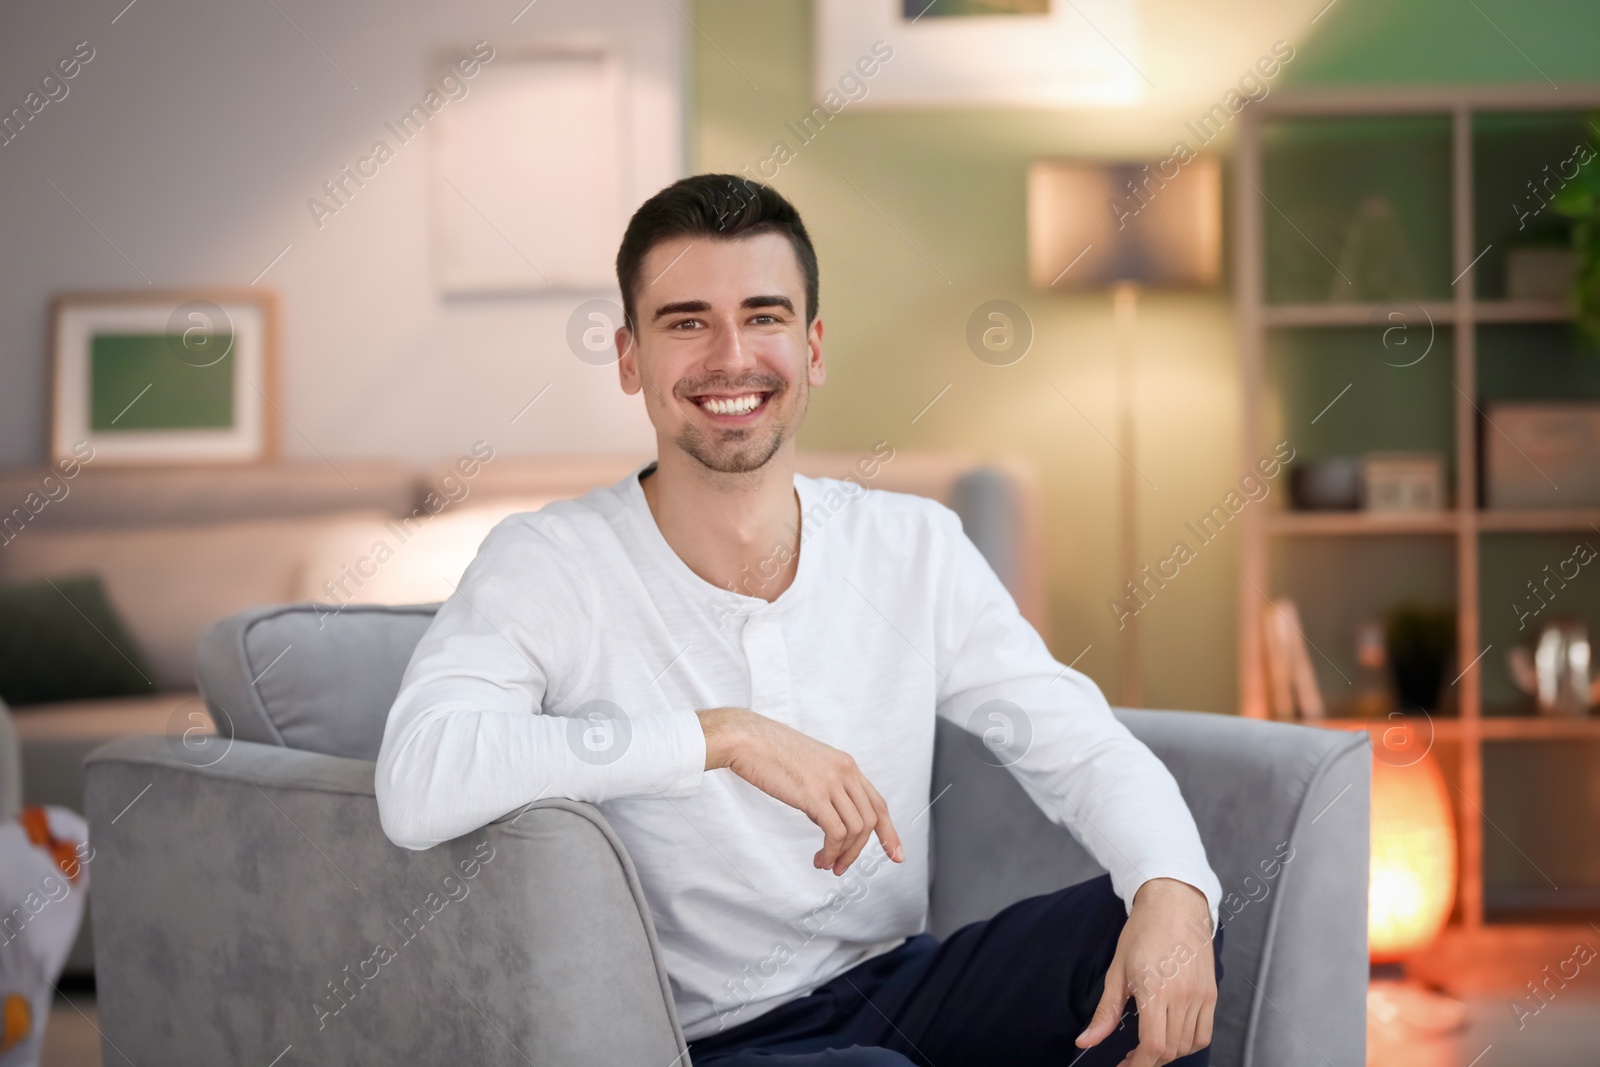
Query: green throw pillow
[(61, 640)]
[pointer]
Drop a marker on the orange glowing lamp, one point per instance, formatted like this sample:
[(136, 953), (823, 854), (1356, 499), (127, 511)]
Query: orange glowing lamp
[(1413, 851)]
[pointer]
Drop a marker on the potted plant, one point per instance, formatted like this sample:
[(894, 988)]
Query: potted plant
[(1579, 200)]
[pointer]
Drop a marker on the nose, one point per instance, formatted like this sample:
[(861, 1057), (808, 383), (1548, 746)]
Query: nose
[(729, 352)]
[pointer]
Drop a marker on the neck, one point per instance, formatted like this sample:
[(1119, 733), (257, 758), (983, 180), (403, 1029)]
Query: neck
[(738, 531)]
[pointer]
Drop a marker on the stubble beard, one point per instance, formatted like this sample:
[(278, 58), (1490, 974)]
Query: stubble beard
[(739, 451)]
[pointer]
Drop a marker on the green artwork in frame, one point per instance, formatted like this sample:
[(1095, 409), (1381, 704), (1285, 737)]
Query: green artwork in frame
[(914, 9), (135, 383), (164, 377)]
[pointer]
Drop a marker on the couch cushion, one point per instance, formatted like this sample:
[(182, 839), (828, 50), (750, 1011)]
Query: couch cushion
[(62, 640), (169, 583), (310, 676)]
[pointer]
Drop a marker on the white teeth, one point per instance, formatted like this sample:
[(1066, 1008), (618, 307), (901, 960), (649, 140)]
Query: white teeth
[(735, 406)]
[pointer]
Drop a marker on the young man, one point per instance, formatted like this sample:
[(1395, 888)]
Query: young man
[(610, 649)]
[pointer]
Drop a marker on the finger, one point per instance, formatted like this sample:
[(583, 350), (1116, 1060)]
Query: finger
[(1202, 1029), (887, 835), (869, 819), (1183, 1032), (1152, 1035), (1109, 1010), (833, 834), (854, 826)]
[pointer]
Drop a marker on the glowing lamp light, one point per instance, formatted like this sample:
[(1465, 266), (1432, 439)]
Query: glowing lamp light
[(1413, 857)]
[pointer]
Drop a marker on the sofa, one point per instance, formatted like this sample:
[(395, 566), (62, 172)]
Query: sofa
[(178, 549), (248, 907)]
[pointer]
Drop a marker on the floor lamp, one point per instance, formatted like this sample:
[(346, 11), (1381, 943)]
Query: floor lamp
[(1125, 227)]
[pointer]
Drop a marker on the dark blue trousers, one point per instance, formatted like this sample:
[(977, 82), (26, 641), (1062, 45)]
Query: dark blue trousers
[(1016, 989)]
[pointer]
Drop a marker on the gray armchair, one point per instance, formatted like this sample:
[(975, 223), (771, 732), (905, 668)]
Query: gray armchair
[(248, 908)]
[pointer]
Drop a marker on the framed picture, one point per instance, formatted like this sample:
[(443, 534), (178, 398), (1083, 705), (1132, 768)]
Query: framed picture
[(873, 54), (166, 377)]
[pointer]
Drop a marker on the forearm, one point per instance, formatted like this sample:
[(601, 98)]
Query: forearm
[(450, 769)]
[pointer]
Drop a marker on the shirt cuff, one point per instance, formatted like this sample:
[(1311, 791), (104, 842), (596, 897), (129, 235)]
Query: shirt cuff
[(677, 744)]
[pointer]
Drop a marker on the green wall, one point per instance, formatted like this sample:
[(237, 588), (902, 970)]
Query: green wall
[(1452, 42), (918, 218)]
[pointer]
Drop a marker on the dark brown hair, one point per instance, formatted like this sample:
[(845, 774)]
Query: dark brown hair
[(717, 206)]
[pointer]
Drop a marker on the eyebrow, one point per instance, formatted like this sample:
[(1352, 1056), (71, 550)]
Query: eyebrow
[(686, 306)]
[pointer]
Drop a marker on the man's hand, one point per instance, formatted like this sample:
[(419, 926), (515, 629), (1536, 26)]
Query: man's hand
[(806, 774), (1164, 961)]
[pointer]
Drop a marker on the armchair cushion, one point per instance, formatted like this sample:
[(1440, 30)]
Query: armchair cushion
[(312, 677)]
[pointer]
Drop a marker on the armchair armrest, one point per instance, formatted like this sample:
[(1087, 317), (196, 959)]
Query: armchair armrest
[(1284, 812), (255, 903)]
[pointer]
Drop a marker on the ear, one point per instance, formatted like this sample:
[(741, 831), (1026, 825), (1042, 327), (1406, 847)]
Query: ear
[(816, 368), (627, 361)]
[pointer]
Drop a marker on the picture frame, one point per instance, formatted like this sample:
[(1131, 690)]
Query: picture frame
[(977, 53), (165, 378)]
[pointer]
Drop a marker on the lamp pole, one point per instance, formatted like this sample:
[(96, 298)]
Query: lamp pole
[(1124, 308)]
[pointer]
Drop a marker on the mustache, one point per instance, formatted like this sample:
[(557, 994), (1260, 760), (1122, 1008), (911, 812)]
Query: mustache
[(689, 388)]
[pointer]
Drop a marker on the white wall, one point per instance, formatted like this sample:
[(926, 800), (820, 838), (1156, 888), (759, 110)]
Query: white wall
[(192, 141)]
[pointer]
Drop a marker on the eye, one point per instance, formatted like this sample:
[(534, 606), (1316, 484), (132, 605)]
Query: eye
[(764, 319), (686, 324)]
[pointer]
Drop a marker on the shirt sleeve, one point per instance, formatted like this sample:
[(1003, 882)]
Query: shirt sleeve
[(1053, 729), (468, 740)]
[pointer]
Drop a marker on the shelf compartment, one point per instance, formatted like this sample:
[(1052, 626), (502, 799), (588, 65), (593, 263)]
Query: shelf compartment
[(1538, 807), (1357, 208), (1511, 611), (1513, 155), (1535, 361), (1340, 583), (1344, 391)]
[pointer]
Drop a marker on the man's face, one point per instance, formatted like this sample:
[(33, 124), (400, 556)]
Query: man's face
[(723, 353)]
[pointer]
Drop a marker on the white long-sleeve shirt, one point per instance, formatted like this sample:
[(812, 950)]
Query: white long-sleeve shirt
[(571, 661)]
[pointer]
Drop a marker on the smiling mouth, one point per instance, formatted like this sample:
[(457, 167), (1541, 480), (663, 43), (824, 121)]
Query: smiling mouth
[(735, 406)]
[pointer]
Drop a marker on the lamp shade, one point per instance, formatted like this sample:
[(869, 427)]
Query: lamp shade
[(1413, 858), (1092, 225)]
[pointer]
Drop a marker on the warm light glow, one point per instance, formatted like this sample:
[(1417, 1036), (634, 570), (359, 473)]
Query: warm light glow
[(1413, 857)]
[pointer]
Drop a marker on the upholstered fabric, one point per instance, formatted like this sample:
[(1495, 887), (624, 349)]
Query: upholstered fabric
[(231, 900), (1283, 811), (60, 639), (1296, 943), (311, 677)]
